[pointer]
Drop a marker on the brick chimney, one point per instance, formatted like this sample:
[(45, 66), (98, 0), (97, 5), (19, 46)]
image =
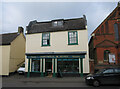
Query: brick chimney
[(20, 30)]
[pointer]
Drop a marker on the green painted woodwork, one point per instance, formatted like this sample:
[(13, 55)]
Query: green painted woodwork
[(28, 74), (76, 38), (57, 56), (81, 63), (42, 39)]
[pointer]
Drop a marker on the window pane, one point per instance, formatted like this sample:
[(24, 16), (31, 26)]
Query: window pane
[(60, 23), (35, 65), (108, 71), (117, 70), (55, 23), (44, 42), (116, 31)]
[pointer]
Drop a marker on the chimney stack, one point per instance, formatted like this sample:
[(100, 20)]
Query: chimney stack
[(20, 30), (119, 4)]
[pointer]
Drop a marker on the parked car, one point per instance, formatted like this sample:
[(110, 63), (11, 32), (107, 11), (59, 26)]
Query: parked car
[(104, 76), (21, 70)]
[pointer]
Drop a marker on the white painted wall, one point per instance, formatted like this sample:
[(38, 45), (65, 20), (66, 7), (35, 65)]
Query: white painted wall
[(59, 43)]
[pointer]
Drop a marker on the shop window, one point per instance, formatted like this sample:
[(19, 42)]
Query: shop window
[(35, 65), (72, 38), (106, 55), (68, 65), (46, 39), (116, 31)]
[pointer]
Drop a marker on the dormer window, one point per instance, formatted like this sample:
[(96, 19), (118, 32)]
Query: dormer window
[(57, 23)]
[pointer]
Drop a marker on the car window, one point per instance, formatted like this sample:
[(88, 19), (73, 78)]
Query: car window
[(100, 71), (108, 71), (23, 65), (117, 70)]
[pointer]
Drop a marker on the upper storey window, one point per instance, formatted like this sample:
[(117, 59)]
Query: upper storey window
[(72, 38), (106, 27), (46, 39), (116, 31), (57, 23), (102, 29)]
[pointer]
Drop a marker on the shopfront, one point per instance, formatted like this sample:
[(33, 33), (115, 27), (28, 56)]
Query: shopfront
[(48, 65)]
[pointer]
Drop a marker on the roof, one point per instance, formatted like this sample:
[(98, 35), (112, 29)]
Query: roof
[(110, 16), (7, 38), (68, 24)]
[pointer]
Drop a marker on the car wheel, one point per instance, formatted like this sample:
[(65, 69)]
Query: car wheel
[(96, 83)]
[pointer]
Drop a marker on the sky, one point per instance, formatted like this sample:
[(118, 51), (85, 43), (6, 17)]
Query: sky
[(15, 14)]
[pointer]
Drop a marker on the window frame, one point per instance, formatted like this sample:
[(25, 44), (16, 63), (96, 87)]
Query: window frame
[(76, 38), (106, 54), (37, 65), (116, 32), (49, 39)]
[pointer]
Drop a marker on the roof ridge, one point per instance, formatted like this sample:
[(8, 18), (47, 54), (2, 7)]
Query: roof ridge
[(59, 20)]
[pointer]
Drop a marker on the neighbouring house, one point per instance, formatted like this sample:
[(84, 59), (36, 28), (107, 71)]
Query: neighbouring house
[(57, 46), (104, 45), (12, 46)]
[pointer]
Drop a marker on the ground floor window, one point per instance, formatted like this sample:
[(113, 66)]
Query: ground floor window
[(106, 55), (68, 65), (35, 65)]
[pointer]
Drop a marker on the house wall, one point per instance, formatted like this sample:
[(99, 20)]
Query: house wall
[(4, 60), (58, 43), (100, 35), (17, 53), (100, 55)]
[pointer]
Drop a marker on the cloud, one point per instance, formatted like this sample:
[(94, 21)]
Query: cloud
[(21, 13)]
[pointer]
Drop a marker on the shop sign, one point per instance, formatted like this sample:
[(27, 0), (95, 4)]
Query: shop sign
[(57, 56)]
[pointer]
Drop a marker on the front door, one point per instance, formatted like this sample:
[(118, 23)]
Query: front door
[(48, 67)]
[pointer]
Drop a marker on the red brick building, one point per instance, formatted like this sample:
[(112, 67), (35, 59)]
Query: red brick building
[(104, 45)]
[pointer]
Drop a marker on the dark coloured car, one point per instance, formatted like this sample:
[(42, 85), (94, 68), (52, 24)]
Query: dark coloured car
[(104, 76)]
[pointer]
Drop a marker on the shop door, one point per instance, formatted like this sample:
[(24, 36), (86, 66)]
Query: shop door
[(48, 67)]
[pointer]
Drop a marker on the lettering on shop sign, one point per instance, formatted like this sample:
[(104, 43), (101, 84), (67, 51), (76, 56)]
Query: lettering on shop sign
[(58, 56)]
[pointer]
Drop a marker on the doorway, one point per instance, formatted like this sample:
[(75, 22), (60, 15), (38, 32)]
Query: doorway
[(48, 67)]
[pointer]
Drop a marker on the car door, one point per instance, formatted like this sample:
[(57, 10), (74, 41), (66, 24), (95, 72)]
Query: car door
[(107, 76), (117, 75)]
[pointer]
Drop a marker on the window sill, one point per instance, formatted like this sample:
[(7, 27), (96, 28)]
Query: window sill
[(105, 60), (73, 44), (45, 45)]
